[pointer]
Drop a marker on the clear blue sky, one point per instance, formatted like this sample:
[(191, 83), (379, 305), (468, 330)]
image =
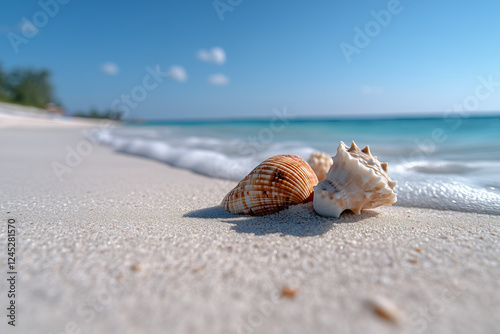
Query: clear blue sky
[(277, 53)]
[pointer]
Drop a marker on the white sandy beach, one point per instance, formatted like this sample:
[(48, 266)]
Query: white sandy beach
[(128, 245)]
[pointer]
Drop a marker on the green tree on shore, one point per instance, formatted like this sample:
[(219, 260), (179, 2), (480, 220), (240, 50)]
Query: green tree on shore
[(106, 114), (31, 87), (26, 86), (3, 86)]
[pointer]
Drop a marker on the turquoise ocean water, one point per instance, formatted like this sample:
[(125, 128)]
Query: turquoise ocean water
[(443, 163)]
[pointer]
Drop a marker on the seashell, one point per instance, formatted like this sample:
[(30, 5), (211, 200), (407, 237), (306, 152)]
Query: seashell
[(356, 181), (320, 164), (274, 185)]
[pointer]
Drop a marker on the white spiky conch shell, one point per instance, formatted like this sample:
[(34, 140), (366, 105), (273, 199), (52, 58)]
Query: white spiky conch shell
[(275, 184), (355, 181)]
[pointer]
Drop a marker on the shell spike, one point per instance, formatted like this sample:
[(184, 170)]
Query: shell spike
[(342, 147), (384, 166), (366, 150), (354, 147)]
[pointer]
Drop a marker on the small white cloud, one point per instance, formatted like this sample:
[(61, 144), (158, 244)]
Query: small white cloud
[(216, 56), (371, 90), (218, 79), (110, 68), (177, 73)]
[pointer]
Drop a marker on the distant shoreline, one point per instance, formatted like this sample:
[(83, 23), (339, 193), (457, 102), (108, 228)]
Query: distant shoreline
[(18, 116)]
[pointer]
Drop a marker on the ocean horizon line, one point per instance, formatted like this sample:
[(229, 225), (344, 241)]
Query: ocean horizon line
[(311, 119)]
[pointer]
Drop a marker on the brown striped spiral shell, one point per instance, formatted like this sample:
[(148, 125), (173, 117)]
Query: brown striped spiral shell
[(274, 185)]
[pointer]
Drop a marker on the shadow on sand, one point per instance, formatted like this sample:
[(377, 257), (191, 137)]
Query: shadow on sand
[(299, 220)]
